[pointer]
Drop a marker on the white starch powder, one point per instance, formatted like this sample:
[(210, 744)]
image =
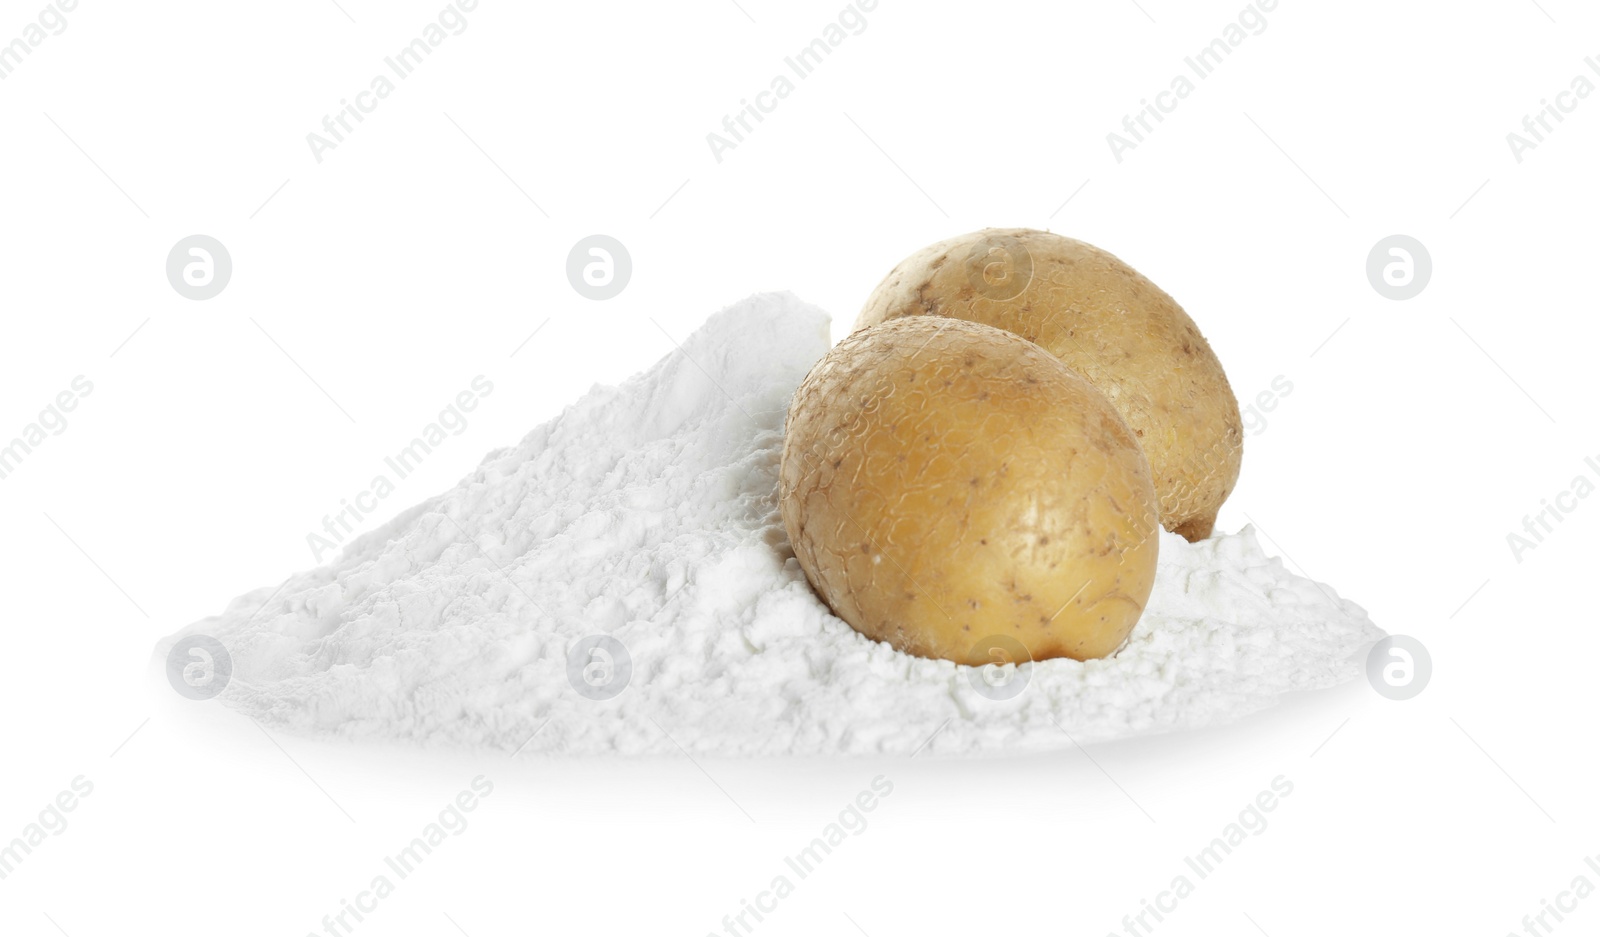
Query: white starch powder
[(648, 512)]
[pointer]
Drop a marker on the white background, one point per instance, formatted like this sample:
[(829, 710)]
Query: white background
[(427, 247)]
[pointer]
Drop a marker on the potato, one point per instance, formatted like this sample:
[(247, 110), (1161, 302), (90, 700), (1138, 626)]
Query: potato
[(945, 484), (1108, 323)]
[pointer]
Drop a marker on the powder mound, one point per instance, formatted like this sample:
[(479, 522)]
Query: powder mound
[(648, 512)]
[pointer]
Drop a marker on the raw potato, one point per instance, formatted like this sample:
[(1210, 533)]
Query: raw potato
[(945, 483), (1108, 323)]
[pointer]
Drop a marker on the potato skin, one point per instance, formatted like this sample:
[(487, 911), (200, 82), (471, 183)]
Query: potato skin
[(1108, 323), (944, 482)]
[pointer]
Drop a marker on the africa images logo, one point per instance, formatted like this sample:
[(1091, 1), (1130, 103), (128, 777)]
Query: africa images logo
[(199, 667)]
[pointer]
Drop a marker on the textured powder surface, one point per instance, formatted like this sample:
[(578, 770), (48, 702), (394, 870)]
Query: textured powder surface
[(648, 512)]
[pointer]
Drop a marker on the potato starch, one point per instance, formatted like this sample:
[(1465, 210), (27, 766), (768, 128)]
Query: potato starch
[(648, 512)]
